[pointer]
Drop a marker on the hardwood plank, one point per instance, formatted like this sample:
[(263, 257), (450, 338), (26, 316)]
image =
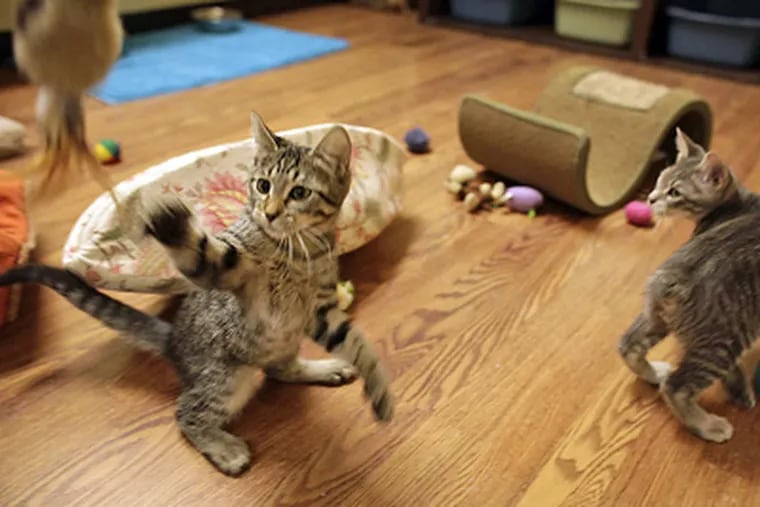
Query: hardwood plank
[(499, 331)]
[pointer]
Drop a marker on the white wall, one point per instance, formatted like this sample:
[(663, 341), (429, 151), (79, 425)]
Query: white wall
[(125, 6)]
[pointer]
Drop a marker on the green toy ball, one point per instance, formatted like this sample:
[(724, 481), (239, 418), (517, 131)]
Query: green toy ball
[(108, 151)]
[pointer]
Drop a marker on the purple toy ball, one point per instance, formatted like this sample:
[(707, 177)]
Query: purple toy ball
[(417, 141), (638, 213), (524, 199)]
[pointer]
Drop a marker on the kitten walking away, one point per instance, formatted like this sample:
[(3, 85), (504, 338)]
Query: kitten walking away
[(263, 284), (707, 293)]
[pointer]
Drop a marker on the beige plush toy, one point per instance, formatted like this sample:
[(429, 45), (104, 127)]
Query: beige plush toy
[(65, 47)]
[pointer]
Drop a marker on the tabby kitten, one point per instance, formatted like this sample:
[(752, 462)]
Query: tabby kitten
[(264, 283), (707, 293)]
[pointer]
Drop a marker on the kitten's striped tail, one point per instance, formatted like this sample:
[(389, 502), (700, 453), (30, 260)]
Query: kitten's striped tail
[(149, 332), (337, 335)]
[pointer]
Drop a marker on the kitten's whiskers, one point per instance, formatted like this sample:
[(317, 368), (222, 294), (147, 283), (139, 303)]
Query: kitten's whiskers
[(320, 241), (290, 250), (305, 252)]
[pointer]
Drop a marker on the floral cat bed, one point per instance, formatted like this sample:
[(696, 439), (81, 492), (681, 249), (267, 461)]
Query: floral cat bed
[(110, 255)]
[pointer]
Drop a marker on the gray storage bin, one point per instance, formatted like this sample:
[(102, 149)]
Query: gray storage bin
[(733, 8), (499, 12), (717, 39), (730, 8)]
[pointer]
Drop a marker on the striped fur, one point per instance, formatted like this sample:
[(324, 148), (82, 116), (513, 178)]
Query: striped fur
[(223, 262), (264, 283), (707, 293), (335, 332), (149, 332)]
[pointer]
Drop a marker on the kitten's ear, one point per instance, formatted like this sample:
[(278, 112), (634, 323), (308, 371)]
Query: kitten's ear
[(686, 147), (336, 145), (713, 171), (262, 135)]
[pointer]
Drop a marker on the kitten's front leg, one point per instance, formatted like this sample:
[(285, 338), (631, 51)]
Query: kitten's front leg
[(333, 330), (211, 262)]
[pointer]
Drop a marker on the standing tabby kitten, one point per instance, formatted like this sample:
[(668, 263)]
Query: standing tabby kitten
[(707, 293), (264, 283)]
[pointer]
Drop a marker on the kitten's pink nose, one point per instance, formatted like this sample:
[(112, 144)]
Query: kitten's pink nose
[(651, 199)]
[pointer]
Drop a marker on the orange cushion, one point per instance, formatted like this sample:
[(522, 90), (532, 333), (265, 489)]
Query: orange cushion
[(14, 236)]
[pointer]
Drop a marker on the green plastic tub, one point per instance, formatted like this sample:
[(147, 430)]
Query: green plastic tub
[(608, 22)]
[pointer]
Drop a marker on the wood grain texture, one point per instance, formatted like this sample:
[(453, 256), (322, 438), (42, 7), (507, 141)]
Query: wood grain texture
[(499, 331)]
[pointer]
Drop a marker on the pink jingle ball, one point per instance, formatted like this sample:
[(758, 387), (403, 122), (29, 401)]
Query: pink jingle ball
[(638, 213)]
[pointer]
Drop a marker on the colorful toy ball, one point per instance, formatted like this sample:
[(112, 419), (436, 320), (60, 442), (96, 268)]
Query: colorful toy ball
[(108, 151), (417, 141), (638, 213)]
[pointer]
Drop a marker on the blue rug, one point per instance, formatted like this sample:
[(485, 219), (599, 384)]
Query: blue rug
[(185, 57)]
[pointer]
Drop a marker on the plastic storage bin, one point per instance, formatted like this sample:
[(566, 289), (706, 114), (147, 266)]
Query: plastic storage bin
[(730, 8), (499, 12), (607, 22), (733, 8), (716, 39)]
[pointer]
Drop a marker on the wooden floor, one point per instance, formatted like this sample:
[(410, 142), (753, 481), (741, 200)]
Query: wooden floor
[(500, 331)]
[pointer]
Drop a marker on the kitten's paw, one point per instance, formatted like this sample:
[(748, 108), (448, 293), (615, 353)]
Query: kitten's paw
[(338, 372), (228, 453), (328, 372), (166, 217), (715, 429), (658, 373)]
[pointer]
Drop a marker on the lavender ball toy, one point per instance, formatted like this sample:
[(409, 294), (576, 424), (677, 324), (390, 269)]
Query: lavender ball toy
[(524, 199)]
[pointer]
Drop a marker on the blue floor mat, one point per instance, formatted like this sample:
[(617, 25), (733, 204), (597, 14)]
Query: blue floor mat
[(185, 57)]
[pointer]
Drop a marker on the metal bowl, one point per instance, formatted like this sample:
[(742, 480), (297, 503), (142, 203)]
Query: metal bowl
[(217, 19)]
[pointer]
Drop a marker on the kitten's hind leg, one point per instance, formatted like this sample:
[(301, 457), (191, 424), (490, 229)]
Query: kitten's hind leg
[(330, 372), (207, 405), (681, 392), (641, 336), (739, 387)]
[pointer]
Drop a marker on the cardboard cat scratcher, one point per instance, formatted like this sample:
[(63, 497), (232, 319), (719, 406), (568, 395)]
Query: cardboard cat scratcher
[(593, 138)]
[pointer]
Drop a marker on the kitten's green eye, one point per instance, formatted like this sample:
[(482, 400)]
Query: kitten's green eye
[(263, 186), (673, 192), (298, 193)]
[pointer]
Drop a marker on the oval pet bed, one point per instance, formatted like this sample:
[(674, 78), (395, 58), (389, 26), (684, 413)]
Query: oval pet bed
[(213, 180), (593, 138)]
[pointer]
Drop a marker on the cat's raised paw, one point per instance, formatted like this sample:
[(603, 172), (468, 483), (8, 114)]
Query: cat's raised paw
[(230, 454), (715, 429), (167, 218)]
